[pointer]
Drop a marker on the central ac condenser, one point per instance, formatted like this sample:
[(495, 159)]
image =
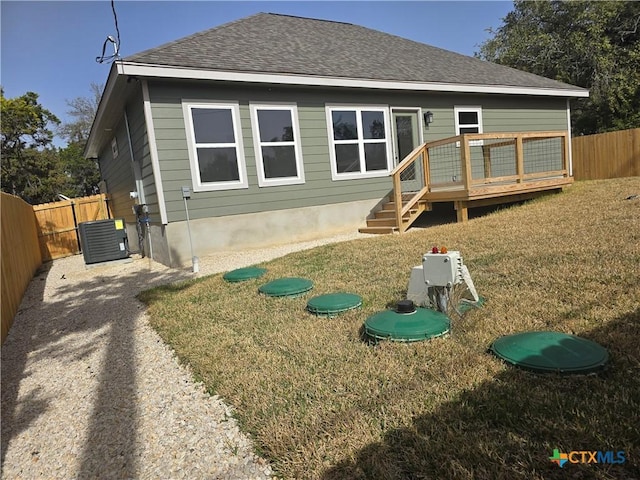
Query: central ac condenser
[(103, 240)]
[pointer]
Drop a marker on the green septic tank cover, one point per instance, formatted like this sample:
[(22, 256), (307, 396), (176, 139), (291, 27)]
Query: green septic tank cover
[(286, 287), (242, 274), (422, 324), (333, 303), (551, 352)]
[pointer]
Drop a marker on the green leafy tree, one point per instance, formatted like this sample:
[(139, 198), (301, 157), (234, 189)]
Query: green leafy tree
[(591, 44), (29, 162), (81, 174)]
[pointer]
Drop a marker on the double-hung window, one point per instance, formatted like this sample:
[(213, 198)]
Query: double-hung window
[(359, 141), (214, 139), (276, 138), (468, 120)]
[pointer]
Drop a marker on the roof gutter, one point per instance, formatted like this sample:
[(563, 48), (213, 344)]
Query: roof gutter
[(161, 71)]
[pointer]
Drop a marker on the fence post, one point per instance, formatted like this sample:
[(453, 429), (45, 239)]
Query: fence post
[(397, 198), (425, 167), (75, 224), (486, 157), (519, 159), (565, 154), (465, 159)]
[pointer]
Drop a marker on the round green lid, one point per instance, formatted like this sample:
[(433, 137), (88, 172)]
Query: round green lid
[(422, 324), (286, 287), (551, 352), (242, 274), (333, 303)]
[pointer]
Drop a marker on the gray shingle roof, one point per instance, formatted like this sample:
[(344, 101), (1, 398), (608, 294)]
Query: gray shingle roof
[(281, 44)]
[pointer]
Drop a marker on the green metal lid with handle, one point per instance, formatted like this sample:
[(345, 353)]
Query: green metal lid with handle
[(413, 326)]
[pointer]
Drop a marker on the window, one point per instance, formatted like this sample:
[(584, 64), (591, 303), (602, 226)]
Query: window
[(359, 141), (215, 146), (276, 137), (468, 120)]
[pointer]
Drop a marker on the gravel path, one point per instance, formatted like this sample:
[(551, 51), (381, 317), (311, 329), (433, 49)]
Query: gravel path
[(89, 390)]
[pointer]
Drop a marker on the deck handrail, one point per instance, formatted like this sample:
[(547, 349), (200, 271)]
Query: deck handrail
[(463, 142), (408, 161)]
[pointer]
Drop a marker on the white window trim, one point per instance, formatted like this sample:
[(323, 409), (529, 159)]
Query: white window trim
[(474, 109), (263, 181), (198, 185), (361, 141)]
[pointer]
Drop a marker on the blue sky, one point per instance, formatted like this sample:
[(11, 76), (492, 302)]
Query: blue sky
[(50, 47)]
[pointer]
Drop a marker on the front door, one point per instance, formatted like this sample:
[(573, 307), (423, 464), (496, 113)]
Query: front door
[(406, 137)]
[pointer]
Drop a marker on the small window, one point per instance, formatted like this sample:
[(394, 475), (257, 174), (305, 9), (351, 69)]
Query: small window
[(359, 141), (215, 146), (468, 120), (276, 138)]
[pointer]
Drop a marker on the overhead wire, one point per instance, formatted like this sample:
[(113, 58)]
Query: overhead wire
[(115, 41)]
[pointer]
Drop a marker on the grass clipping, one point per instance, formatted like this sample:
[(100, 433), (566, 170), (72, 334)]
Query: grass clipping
[(320, 403)]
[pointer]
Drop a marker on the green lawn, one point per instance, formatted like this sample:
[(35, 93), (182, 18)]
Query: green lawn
[(321, 403)]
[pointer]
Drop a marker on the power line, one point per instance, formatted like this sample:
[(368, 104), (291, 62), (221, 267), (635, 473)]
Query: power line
[(110, 39)]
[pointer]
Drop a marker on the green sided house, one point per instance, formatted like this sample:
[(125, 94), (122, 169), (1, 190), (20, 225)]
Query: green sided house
[(287, 129)]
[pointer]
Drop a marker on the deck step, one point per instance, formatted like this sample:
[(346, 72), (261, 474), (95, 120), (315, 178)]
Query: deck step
[(392, 214), (378, 230), (384, 220), (392, 205), (381, 222)]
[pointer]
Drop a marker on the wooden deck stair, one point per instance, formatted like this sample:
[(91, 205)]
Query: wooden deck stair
[(473, 190), (384, 220)]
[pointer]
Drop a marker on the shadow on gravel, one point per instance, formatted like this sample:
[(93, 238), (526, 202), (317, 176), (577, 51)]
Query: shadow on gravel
[(104, 305), (495, 432)]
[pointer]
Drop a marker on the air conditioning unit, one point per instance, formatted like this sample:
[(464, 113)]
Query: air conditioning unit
[(103, 240)]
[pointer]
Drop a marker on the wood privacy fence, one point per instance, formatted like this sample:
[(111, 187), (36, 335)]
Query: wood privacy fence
[(606, 155), (20, 253), (58, 223)]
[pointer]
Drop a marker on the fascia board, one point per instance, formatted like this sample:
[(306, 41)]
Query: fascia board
[(160, 71)]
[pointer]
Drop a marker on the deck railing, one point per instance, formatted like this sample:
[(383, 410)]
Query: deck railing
[(473, 161)]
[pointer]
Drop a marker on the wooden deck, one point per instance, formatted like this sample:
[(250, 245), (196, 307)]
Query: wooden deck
[(473, 170)]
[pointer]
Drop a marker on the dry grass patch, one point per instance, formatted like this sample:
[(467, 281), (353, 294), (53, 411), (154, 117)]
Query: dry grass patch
[(320, 403)]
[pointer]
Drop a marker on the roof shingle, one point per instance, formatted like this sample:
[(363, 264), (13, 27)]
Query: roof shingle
[(282, 44)]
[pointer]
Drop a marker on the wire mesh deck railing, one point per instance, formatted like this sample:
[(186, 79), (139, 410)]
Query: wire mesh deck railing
[(491, 163)]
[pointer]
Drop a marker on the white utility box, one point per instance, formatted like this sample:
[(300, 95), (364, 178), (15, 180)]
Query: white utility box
[(438, 270), (442, 269)]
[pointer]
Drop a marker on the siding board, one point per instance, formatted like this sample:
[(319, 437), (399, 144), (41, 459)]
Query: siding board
[(500, 114)]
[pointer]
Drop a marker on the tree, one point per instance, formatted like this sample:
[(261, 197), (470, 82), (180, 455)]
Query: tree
[(83, 174), (595, 45), (29, 162), (83, 110)]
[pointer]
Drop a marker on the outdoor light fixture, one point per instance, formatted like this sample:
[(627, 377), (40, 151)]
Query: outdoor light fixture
[(428, 118)]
